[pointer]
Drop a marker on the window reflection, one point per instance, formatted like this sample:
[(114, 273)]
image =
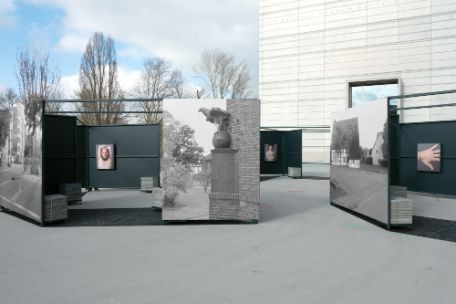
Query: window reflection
[(366, 93)]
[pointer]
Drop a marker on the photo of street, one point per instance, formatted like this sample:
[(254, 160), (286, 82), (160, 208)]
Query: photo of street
[(359, 173), (20, 161)]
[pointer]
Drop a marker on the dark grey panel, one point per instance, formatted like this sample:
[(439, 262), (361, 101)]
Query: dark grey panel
[(58, 170), (292, 149), (434, 132), (271, 137), (59, 136), (127, 174), (289, 147), (81, 155), (59, 152), (137, 149), (410, 135), (440, 183), (128, 139)]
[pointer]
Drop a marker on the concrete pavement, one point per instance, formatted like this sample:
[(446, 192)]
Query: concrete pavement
[(302, 251)]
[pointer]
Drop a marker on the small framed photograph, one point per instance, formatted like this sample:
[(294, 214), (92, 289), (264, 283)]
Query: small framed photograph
[(270, 152), (105, 157), (428, 157)]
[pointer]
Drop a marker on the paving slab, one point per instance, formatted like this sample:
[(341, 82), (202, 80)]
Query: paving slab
[(302, 251)]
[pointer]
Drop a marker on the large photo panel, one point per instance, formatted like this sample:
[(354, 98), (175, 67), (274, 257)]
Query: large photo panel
[(21, 159), (359, 152), (210, 160)]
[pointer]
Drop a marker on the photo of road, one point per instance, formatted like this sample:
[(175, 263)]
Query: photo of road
[(20, 162), (20, 192), (360, 190), (359, 167)]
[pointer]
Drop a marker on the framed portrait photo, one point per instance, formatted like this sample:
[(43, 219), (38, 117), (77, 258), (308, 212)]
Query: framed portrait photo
[(428, 157), (105, 157), (270, 152)]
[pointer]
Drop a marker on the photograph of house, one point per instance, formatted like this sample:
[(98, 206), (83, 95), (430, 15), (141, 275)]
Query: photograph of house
[(359, 177)]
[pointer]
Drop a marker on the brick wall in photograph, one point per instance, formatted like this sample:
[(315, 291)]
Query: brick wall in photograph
[(245, 131)]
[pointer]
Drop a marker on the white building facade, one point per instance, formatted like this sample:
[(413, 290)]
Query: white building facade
[(322, 56)]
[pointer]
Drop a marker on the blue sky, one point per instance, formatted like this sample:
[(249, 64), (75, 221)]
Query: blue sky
[(176, 30)]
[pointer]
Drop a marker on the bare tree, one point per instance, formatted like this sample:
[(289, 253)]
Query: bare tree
[(158, 80), (200, 93), (223, 75), (98, 81), (37, 80), (7, 101)]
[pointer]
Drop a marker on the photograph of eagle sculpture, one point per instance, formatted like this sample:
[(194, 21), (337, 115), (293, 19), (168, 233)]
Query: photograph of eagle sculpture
[(221, 118)]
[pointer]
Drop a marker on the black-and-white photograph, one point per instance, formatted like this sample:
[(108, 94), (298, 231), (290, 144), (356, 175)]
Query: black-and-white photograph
[(428, 157), (359, 152), (210, 160), (270, 152), (186, 162), (21, 158), (105, 157)]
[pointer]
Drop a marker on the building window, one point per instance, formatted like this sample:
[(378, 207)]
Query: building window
[(362, 92)]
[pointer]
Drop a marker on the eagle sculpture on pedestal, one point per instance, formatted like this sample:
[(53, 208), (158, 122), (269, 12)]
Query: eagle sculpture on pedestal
[(221, 118), (217, 116)]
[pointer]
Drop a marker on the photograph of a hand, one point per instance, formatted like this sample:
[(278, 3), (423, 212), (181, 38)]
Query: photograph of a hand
[(429, 157)]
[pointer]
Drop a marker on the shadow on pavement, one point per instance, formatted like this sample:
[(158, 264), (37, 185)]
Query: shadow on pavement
[(431, 228), (111, 217)]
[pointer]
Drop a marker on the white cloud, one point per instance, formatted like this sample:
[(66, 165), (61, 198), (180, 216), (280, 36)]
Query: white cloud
[(174, 29), (7, 17), (128, 78), (69, 85), (73, 42)]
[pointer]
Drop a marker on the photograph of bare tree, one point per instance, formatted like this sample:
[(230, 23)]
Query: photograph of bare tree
[(187, 145), (210, 160)]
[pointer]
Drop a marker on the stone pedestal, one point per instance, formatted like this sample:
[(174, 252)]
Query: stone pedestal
[(224, 196)]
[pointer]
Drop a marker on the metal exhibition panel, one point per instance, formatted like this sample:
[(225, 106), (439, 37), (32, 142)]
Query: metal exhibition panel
[(422, 145), (82, 159), (210, 167), (292, 149), (70, 154), (272, 138), (359, 160), (60, 148), (21, 160), (136, 151), (289, 151), (410, 136)]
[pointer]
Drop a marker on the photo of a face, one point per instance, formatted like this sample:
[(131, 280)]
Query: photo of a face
[(428, 157), (270, 152), (105, 157)]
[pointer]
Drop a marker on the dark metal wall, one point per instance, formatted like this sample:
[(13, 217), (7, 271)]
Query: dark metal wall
[(59, 151), (137, 154), (289, 147), (82, 141), (406, 173), (271, 137), (70, 155), (292, 149)]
